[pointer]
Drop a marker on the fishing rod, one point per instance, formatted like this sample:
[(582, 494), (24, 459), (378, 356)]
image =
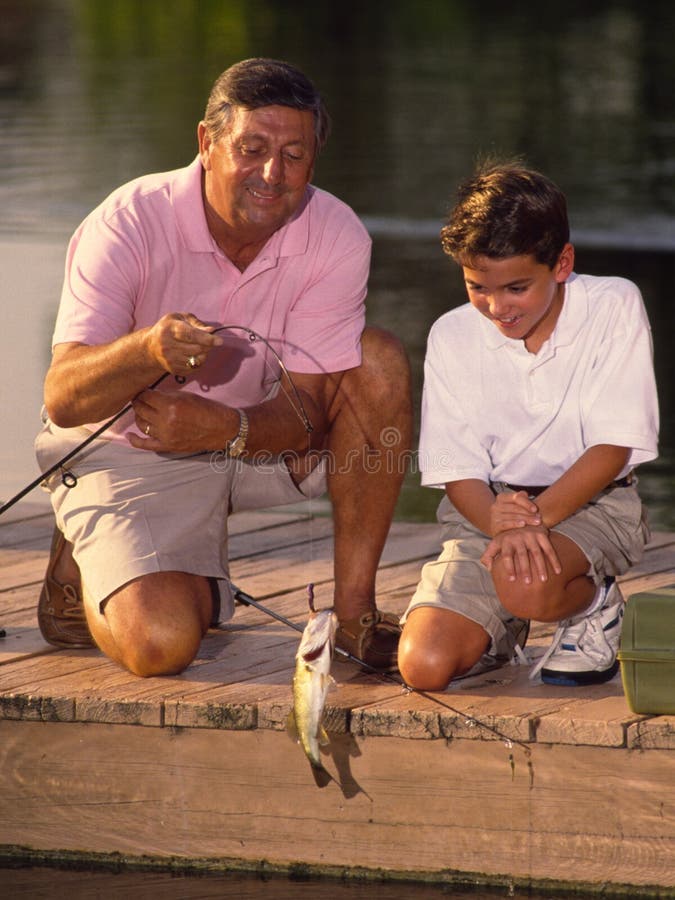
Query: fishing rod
[(70, 480), (246, 600)]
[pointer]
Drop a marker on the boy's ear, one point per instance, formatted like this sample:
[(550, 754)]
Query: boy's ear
[(565, 265)]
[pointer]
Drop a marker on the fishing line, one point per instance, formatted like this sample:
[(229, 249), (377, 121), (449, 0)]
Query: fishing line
[(69, 479), (253, 336), (299, 409), (246, 600)]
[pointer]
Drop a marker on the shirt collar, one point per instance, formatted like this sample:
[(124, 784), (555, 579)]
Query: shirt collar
[(186, 198), (570, 321)]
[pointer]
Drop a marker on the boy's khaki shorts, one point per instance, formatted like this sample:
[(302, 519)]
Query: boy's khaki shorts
[(611, 531), (133, 512)]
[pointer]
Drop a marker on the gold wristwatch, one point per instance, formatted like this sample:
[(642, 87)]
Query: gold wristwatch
[(237, 446)]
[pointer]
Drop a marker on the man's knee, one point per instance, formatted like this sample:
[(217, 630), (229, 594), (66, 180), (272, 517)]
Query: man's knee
[(383, 357), (154, 625), (155, 655), (150, 651), (381, 386)]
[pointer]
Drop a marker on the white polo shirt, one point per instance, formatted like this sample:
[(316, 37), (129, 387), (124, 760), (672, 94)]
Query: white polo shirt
[(493, 411)]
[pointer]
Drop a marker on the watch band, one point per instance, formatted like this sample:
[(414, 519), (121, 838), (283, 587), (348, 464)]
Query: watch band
[(237, 446)]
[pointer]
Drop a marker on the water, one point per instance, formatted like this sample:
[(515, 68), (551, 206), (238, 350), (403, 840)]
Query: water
[(54, 883), (95, 93)]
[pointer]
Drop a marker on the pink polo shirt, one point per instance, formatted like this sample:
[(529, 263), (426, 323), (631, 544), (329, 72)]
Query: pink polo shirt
[(147, 251)]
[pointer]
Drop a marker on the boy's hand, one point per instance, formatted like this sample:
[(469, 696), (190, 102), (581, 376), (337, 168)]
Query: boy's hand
[(526, 552), (513, 510)]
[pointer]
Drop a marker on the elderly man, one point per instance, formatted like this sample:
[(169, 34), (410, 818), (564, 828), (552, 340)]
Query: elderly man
[(295, 395)]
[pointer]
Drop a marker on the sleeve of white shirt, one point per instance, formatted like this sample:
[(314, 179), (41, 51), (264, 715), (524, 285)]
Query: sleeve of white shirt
[(620, 405), (449, 449)]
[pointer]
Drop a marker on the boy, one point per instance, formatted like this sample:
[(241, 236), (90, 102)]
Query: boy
[(539, 401)]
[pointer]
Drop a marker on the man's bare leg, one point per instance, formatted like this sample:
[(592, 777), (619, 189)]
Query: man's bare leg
[(154, 624), (369, 447)]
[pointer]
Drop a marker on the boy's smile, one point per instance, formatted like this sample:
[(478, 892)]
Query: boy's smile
[(522, 297)]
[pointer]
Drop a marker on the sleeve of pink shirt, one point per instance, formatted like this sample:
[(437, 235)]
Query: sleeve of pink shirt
[(324, 327), (102, 277)]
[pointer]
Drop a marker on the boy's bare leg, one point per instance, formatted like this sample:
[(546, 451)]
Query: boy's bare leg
[(438, 645), (584, 647), (560, 597)]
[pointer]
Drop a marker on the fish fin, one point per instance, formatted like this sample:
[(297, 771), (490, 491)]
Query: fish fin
[(292, 728), (328, 683), (324, 740), (322, 776)]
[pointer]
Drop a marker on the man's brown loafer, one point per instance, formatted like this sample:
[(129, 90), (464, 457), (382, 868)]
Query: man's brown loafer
[(60, 609), (373, 638)]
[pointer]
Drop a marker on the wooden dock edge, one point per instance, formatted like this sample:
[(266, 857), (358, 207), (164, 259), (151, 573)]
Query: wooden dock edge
[(469, 812), (117, 863)]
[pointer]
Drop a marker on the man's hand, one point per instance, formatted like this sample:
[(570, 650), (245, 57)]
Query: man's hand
[(525, 552), (181, 422), (512, 510), (180, 342)]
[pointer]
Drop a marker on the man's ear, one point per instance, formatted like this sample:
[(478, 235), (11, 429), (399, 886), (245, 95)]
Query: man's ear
[(565, 265), (205, 144)]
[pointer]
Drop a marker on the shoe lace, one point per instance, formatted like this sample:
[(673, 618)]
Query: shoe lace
[(594, 644), (73, 607), (555, 643)]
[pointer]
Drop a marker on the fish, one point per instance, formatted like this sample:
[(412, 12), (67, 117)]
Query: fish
[(311, 683)]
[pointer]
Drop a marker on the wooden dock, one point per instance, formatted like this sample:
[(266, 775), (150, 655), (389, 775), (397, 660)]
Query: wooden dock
[(498, 780)]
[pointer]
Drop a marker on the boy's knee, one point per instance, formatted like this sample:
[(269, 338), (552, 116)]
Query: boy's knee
[(538, 600), (422, 672), (426, 668)]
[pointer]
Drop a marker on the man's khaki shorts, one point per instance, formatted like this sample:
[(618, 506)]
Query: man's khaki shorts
[(611, 531), (133, 512)]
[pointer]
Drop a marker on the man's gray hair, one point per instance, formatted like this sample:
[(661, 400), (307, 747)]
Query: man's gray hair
[(258, 82)]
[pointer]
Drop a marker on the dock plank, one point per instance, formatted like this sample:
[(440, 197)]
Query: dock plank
[(497, 775), (469, 812)]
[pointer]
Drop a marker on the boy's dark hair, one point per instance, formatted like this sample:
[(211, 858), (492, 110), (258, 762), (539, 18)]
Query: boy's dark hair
[(506, 210), (258, 82)]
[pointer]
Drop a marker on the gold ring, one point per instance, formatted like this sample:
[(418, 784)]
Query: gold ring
[(192, 362)]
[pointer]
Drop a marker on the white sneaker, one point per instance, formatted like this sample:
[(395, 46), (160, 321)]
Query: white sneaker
[(584, 648)]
